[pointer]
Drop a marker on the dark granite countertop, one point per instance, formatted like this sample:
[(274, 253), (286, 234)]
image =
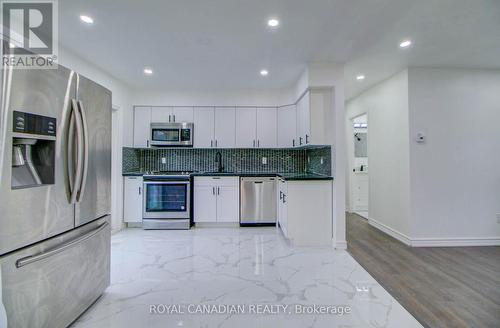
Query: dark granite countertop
[(286, 176)]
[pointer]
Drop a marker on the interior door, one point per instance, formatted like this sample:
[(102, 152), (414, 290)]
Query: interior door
[(32, 214), (225, 130), (94, 198), (203, 127), (246, 123)]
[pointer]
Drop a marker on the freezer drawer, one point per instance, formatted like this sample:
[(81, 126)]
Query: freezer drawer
[(51, 283), (258, 200)]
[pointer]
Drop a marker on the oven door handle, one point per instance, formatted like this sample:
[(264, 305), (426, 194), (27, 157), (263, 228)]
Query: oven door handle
[(166, 182)]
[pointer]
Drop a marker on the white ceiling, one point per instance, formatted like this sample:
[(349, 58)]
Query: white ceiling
[(223, 44)]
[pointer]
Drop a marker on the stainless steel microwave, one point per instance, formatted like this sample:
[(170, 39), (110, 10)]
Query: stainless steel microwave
[(172, 134)]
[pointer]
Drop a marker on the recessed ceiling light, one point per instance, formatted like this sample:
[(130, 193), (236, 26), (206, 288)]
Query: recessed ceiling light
[(273, 22), (360, 77), (148, 71), (264, 72), (405, 43), (86, 19)]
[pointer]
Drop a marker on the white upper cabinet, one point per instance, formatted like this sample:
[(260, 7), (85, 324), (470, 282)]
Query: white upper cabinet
[(287, 126), (204, 118), (246, 127), (161, 114), (171, 114), (225, 131), (303, 120), (182, 114), (305, 123), (142, 121), (267, 127)]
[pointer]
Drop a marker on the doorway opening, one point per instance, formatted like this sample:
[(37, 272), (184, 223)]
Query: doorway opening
[(359, 170)]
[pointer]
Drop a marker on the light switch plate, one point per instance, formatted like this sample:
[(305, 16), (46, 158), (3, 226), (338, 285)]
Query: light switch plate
[(264, 160), (163, 160)]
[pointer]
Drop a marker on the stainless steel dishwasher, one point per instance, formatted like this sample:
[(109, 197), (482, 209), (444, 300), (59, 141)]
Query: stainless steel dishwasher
[(258, 201)]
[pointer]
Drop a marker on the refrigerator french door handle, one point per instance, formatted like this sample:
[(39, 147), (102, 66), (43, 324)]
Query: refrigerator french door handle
[(70, 151), (35, 258), (79, 147), (85, 151)]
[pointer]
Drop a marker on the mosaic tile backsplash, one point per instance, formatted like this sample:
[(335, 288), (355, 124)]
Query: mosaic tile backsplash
[(287, 160)]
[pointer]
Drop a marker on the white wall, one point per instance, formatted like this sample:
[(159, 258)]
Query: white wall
[(455, 174), (388, 150), (121, 102)]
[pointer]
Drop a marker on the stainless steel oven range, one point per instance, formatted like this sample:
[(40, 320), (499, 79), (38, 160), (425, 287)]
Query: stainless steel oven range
[(167, 201)]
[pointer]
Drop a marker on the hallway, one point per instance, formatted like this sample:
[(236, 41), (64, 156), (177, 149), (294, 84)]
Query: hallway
[(440, 287)]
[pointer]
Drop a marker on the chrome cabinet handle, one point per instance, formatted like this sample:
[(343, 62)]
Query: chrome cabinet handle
[(284, 198), (254, 144), (218, 190), (169, 119), (307, 139), (211, 143), (215, 143), (35, 258), (85, 151), (174, 117), (213, 190), (293, 142), (139, 190), (147, 143), (79, 137), (281, 194), (300, 140), (258, 143)]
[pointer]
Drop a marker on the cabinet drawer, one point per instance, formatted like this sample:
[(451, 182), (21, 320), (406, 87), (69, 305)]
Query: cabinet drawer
[(232, 181)]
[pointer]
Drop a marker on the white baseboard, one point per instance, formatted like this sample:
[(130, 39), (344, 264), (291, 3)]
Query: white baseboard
[(341, 245), (390, 231), (455, 242), (434, 242)]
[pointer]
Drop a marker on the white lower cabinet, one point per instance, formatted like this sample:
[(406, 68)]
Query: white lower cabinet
[(205, 203), (282, 206), (305, 214), (132, 199), (216, 199)]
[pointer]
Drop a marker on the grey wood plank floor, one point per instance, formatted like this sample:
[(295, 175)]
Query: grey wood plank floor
[(439, 286)]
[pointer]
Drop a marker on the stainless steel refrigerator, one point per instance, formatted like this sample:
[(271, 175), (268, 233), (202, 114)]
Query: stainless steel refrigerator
[(55, 186)]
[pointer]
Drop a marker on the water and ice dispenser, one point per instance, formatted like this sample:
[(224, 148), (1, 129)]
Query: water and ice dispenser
[(33, 150)]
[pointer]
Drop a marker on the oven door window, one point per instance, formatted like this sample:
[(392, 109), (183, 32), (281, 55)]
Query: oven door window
[(166, 198), (165, 135)]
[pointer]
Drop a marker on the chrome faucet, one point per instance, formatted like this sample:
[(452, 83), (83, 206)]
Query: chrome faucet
[(218, 160)]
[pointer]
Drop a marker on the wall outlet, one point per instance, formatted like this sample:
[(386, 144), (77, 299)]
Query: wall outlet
[(163, 160), (264, 160)]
